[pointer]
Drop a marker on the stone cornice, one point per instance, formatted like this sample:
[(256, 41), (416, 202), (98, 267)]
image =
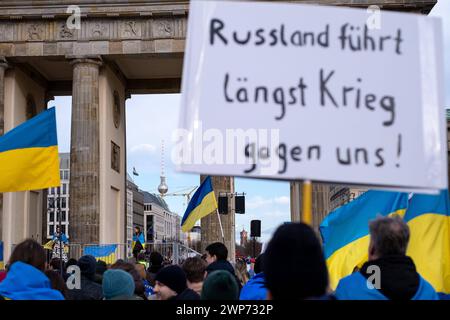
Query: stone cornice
[(47, 9), (50, 9)]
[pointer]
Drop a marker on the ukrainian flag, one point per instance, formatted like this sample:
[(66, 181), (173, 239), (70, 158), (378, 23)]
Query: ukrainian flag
[(29, 155), (203, 202), (345, 231), (2, 264), (105, 252), (428, 218)]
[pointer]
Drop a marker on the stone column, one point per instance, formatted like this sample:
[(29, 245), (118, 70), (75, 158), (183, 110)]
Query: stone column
[(3, 66), (84, 200), (296, 200), (210, 224)]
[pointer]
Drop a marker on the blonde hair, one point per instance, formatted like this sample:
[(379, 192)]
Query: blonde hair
[(241, 271)]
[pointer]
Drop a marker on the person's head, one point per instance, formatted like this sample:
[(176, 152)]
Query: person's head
[(216, 251), (137, 230), (141, 256), (29, 252), (117, 284), (56, 281), (87, 265), (258, 267), (388, 236), (156, 261), (55, 264), (140, 268), (71, 262), (294, 265), (220, 285), (101, 267), (170, 281), (129, 267), (241, 271), (195, 269), (58, 229)]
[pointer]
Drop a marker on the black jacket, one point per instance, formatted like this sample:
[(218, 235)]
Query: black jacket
[(187, 294), (399, 279), (89, 291), (223, 265)]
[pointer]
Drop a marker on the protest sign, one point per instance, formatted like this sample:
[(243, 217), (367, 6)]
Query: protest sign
[(290, 91)]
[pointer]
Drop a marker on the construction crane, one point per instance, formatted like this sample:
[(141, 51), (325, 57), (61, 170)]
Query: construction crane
[(185, 192)]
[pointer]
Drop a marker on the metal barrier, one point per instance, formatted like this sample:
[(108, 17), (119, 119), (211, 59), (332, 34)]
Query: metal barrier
[(175, 252)]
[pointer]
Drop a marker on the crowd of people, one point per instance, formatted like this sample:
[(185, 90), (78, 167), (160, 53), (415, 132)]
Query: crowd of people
[(291, 267)]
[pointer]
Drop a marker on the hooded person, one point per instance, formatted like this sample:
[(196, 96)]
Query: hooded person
[(220, 285), (90, 290), (255, 288), (118, 285), (170, 284), (25, 278), (399, 279)]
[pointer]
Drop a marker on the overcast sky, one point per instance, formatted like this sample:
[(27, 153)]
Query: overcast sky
[(152, 118)]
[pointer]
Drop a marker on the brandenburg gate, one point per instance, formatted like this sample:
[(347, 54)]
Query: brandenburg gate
[(117, 48)]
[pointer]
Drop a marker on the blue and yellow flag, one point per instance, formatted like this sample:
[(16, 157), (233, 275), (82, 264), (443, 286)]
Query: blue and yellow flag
[(345, 231), (106, 252), (203, 202), (29, 155), (428, 218), (2, 263)]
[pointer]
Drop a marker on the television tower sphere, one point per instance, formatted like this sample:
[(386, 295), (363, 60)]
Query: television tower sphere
[(163, 188)]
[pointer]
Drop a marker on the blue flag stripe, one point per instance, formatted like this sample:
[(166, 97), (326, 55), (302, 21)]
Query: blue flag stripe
[(42, 127), (350, 221), (424, 203)]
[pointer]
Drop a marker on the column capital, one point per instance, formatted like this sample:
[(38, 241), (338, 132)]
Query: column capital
[(87, 59)]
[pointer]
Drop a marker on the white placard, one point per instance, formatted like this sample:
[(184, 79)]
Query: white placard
[(290, 91)]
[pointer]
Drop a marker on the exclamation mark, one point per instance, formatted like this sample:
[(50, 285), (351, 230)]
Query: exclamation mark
[(399, 148)]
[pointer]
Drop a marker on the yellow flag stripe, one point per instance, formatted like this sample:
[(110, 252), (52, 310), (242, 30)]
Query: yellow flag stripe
[(207, 206), (429, 247), (29, 169)]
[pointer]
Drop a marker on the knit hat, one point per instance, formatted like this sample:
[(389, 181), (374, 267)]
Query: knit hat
[(294, 264), (172, 277), (87, 265), (117, 283), (220, 285)]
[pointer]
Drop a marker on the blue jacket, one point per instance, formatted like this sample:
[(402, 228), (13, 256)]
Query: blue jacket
[(25, 282), (254, 289), (354, 287)]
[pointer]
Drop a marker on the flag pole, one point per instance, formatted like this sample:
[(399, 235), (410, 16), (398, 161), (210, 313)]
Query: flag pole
[(220, 224), (306, 202)]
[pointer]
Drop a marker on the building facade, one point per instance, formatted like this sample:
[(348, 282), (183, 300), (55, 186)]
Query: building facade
[(63, 194), (137, 203), (161, 224), (340, 195)]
